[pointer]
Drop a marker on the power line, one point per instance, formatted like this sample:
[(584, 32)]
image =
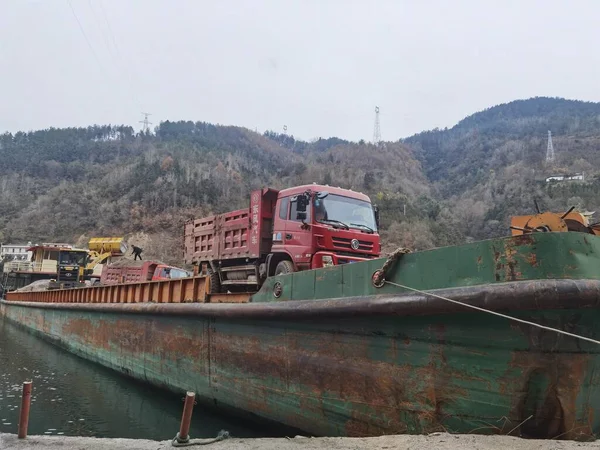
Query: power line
[(121, 67), (131, 73), (130, 91), (86, 39), (110, 30), (106, 43)]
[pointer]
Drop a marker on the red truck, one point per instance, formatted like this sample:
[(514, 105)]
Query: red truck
[(127, 271), (300, 228)]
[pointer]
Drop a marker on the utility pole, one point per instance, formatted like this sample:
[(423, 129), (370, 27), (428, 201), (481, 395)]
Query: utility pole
[(550, 149), (377, 128), (146, 123)]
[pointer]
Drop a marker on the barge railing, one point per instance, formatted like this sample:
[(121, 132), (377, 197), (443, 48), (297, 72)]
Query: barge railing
[(181, 290)]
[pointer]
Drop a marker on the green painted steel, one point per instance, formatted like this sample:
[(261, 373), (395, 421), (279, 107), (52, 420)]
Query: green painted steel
[(535, 256), (355, 376)]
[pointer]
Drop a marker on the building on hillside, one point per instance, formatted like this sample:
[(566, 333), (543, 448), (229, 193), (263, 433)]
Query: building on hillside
[(565, 177), (15, 252)]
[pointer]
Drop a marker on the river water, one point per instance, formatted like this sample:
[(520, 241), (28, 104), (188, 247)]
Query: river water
[(72, 396)]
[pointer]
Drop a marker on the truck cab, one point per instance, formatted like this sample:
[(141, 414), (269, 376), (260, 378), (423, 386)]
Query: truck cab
[(60, 262), (71, 265), (164, 272), (300, 228), (318, 226)]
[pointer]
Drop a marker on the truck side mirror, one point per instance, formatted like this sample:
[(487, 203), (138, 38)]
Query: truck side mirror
[(376, 212), (302, 203)]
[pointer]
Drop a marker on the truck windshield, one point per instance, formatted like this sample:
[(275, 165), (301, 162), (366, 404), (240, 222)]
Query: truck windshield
[(345, 212), (176, 273), (73, 258)]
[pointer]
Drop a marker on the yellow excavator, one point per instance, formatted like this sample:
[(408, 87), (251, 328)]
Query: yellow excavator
[(101, 250), (554, 222)]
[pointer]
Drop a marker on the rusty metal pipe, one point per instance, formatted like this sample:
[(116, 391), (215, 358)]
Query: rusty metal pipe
[(25, 403), (186, 418)]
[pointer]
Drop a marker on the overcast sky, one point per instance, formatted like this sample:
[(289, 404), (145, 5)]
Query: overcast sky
[(318, 66)]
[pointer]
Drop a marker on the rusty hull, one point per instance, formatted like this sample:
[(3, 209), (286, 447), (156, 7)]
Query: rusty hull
[(360, 366)]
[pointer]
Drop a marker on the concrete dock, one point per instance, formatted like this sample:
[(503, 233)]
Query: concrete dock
[(438, 441)]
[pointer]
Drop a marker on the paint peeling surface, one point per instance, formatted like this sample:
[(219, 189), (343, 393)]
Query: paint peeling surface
[(363, 361), (362, 366)]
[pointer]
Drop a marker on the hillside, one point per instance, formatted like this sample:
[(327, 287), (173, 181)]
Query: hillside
[(70, 184), (491, 164), (455, 184)]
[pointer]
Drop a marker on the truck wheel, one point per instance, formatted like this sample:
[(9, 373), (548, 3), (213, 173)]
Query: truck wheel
[(284, 267), (215, 282)]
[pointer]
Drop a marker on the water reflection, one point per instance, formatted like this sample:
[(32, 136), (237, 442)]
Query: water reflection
[(74, 397)]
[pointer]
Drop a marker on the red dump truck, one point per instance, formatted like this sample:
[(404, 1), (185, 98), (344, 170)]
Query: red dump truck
[(300, 228), (128, 271)]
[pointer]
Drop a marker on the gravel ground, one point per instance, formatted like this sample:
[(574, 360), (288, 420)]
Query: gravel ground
[(437, 441)]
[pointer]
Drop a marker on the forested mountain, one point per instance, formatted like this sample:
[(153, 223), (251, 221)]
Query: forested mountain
[(492, 164), (70, 184), (455, 184)]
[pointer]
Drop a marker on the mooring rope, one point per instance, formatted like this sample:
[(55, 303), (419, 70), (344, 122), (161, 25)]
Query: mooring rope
[(379, 276), (379, 280), (176, 442)]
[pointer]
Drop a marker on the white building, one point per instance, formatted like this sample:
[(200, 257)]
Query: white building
[(574, 177), (15, 252)]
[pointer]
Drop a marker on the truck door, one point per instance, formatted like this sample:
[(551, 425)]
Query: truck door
[(298, 236), (279, 223)]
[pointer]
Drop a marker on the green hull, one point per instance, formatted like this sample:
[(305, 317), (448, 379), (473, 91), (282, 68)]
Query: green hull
[(340, 357)]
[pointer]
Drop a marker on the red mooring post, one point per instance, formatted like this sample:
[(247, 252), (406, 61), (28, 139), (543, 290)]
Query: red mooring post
[(25, 403), (186, 418)]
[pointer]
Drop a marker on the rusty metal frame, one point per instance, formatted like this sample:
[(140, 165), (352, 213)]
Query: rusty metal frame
[(182, 290)]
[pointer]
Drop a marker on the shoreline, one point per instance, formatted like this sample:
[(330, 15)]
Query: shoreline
[(438, 441)]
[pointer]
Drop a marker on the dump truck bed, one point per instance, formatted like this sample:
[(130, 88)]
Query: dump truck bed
[(244, 233), (127, 271)]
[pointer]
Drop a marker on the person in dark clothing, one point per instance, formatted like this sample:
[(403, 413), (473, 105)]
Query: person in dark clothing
[(137, 252)]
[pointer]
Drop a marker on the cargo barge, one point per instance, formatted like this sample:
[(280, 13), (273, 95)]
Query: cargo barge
[(382, 346)]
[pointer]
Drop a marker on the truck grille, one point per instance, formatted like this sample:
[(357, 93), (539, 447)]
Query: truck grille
[(68, 274), (345, 244)]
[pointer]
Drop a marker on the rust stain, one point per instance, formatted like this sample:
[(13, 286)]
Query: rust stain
[(550, 385), (229, 298), (507, 263), (522, 239), (532, 259), (322, 367)]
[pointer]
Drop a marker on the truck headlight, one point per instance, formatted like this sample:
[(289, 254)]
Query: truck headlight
[(327, 260)]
